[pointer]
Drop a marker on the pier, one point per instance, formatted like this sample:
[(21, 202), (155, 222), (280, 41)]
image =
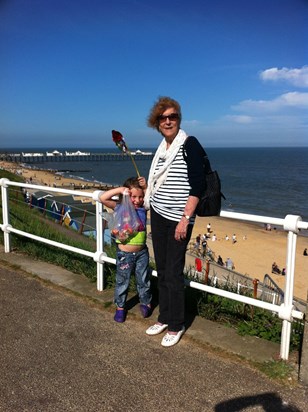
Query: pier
[(93, 157)]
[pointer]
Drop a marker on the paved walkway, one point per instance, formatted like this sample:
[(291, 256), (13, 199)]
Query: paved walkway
[(62, 351)]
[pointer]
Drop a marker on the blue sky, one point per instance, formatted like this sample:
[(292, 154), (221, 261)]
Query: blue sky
[(73, 70)]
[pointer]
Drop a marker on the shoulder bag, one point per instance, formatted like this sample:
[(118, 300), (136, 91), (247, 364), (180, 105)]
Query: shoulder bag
[(210, 200)]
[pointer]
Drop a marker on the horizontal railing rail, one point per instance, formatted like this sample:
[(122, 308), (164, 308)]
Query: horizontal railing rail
[(291, 223)]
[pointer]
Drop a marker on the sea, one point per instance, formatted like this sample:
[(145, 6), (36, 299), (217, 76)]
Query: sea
[(263, 181)]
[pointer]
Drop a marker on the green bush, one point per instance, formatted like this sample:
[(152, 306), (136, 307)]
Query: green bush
[(246, 319)]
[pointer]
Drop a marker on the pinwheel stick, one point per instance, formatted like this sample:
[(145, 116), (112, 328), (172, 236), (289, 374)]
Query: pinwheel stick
[(134, 163)]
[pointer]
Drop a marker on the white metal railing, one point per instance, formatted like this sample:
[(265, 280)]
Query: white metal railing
[(291, 223)]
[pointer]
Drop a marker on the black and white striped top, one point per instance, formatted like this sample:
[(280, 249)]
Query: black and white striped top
[(170, 199), (184, 179)]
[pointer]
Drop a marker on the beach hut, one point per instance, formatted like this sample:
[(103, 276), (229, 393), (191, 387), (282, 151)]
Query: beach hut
[(60, 205), (79, 215), (39, 199)]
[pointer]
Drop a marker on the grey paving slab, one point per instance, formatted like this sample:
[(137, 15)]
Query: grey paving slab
[(202, 330)]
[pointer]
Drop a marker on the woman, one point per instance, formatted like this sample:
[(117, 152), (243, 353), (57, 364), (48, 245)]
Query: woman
[(174, 188)]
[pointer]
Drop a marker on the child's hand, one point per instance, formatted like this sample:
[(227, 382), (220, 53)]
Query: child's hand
[(142, 182), (125, 191)]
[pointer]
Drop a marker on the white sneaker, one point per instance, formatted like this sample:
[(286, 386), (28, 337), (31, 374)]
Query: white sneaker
[(170, 340), (156, 329)]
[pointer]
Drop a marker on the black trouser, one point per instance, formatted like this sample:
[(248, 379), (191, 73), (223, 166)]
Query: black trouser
[(170, 261)]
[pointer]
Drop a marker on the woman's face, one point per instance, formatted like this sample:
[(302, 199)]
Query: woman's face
[(169, 123)]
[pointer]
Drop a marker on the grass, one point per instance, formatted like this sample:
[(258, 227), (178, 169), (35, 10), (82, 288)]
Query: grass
[(31, 220), (279, 370), (246, 319), (22, 217)]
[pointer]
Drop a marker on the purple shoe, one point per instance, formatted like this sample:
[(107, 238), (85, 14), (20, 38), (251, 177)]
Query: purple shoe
[(145, 310), (120, 315)]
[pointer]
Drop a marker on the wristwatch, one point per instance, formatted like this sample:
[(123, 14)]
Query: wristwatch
[(187, 217)]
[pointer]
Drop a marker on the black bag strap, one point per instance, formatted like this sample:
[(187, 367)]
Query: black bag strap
[(206, 161), (207, 164)]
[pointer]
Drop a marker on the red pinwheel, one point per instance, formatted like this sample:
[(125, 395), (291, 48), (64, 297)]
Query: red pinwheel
[(119, 141), (121, 145)]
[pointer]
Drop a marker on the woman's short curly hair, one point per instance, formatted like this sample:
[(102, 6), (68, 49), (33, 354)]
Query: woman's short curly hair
[(163, 103)]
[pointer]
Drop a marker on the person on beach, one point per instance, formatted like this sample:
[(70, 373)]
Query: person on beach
[(174, 188), (220, 261), (197, 243), (204, 245), (230, 264), (132, 253), (275, 268)]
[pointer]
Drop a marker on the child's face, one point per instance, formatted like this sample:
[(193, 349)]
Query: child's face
[(136, 196)]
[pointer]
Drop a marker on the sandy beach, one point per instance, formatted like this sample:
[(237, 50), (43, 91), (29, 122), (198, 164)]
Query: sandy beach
[(48, 178), (253, 252)]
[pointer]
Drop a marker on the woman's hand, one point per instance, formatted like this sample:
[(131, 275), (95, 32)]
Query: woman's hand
[(181, 229)]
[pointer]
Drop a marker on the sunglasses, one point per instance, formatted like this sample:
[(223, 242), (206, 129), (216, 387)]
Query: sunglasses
[(172, 116)]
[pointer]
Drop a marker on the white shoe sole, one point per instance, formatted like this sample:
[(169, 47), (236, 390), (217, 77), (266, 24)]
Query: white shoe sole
[(170, 340), (156, 329)]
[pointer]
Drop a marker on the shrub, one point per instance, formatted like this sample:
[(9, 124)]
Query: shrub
[(246, 319)]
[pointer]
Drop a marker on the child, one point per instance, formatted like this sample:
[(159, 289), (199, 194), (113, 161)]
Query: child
[(132, 253)]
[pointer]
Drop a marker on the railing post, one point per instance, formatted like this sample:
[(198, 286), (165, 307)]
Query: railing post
[(290, 224), (99, 245), (255, 288), (5, 213), (207, 271), (82, 223), (303, 369)]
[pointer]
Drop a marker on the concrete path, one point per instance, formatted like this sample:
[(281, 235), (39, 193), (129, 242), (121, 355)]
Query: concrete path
[(62, 351)]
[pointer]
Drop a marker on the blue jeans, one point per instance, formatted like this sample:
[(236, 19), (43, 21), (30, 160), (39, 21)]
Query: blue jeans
[(127, 262), (170, 261)]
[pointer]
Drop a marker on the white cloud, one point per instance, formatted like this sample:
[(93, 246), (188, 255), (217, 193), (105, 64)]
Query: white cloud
[(296, 77), (240, 119), (287, 100), (281, 121), (191, 123)]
